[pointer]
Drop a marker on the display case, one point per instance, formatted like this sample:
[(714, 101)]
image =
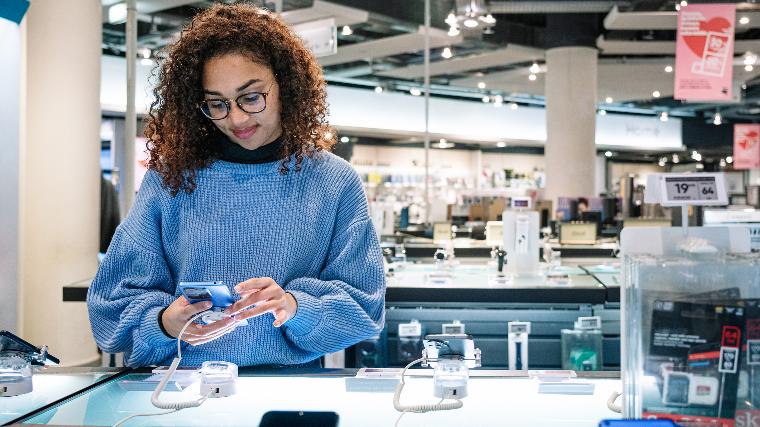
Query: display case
[(687, 313)]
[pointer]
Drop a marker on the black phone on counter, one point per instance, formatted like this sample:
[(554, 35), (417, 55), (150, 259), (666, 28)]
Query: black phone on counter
[(299, 419)]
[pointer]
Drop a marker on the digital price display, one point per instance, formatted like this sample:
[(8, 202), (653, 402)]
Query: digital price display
[(688, 189)]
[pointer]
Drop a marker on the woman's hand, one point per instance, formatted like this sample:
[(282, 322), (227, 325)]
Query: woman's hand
[(180, 311), (267, 296)]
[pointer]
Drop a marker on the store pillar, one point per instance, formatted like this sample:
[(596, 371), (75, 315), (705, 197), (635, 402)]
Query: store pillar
[(571, 95), (59, 172)]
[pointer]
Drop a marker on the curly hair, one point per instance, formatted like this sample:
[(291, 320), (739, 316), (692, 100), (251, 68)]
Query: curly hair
[(182, 140)]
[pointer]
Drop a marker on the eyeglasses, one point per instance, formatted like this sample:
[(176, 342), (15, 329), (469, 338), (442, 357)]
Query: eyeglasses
[(251, 103)]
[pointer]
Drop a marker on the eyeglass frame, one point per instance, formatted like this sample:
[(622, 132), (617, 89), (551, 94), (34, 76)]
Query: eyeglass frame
[(228, 103)]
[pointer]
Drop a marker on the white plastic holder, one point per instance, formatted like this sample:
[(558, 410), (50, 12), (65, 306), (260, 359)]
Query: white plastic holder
[(218, 379)]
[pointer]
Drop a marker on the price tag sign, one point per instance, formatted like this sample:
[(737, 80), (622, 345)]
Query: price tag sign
[(695, 189), (442, 232)]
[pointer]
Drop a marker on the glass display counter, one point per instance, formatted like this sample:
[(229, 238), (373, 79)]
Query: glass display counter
[(52, 384), (495, 398)]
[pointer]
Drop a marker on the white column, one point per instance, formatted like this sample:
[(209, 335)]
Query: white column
[(60, 187), (571, 122), (10, 46)]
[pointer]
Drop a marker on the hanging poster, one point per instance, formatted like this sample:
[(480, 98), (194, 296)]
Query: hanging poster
[(746, 146), (705, 52)]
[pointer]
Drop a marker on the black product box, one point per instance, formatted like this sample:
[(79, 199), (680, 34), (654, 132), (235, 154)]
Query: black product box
[(692, 366)]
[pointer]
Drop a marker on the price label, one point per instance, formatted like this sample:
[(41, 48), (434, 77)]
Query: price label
[(689, 189), (442, 232)]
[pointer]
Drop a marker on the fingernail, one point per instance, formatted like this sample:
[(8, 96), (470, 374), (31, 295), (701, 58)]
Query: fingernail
[(277, 324)]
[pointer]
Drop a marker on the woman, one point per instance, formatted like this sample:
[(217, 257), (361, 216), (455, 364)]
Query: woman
[(241, 189)]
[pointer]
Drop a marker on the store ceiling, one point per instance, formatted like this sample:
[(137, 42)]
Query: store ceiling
[(635, 41)]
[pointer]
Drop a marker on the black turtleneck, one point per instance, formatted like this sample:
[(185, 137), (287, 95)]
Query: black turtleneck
[(234, 153)]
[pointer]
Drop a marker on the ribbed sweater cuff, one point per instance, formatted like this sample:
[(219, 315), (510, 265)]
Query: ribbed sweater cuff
[(150, 330), (307, 316)]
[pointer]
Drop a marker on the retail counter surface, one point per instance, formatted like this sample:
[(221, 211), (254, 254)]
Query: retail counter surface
[(496, 398)]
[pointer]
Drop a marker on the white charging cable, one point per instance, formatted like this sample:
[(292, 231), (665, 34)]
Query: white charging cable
[(419, 408), (154, 398)]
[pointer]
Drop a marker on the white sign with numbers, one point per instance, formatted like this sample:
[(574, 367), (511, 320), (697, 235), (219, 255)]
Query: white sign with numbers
[(697, 189)]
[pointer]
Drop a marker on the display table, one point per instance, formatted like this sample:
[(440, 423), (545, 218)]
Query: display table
[(496, 399), (51, 385)]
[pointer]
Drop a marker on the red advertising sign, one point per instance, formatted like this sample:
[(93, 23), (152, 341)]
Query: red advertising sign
[(705, 52), (746, 146)]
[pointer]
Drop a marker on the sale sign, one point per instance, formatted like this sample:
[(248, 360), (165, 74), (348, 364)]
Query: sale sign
[(705, 52), (746, 146)]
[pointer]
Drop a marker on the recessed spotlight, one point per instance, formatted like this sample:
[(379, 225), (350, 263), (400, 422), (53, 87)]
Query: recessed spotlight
[(608, 100), (346, 31), (668, 68), (486, 99), (535, 69), (608, 154), (447, 53), (676, 159), (501, 144), (451, 19), (415, 91), (750, 58), (744, 20), (532, 77), (664, 116), (717, 119), (729, 160), (481, 85), (378, 89), (678, 7), (656, 94), (470, 23), (513, 105), (498, 99), (696, 156), (723, 163), (684, 3), (146, 62), (453, 31), (489, 19), (602, 112), (748, 68), (344, 139)]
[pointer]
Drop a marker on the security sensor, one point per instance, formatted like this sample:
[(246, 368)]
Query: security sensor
[(218, 379)]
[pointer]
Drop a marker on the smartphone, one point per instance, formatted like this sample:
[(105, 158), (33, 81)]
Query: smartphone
[(299, 419), (216, 292)]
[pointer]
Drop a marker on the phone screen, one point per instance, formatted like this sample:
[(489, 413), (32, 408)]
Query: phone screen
[(299, 419)]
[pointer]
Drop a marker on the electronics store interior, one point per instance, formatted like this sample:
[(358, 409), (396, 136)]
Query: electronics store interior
[(380, 213)]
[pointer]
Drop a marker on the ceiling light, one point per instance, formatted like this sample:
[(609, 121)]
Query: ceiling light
[(117, 13), (602, 112), (513, 105), (664, 116), (534, 68), (723, 163), (696, 156), (608, 100), (678, 7), (608, 154), (748, 68), (470, 23), (750, 58), (415, 91), (744, 20), (453, 31), (488, 19), (447, 53), (344, 139), (144, 53), (663, 161), (442, 143), (532, 77), (346, 31), (729, 160), (481, 85), (684, 3), (656, 94), (668, 68), (486, 99), (717, 119), (501, 144), (147, 62), (676, 159), (451, 20), (378, 89), (700, 166)]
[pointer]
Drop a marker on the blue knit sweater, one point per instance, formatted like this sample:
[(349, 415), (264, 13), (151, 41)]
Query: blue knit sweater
[(309, 230)]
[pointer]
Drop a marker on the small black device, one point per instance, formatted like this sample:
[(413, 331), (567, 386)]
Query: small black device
[(299, 419), (11, 343)]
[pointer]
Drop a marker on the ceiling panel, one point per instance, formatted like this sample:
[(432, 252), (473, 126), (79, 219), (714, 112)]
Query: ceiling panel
[(388, 46), (343, 15), (510, 55), (626, 47), (616, 20)]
